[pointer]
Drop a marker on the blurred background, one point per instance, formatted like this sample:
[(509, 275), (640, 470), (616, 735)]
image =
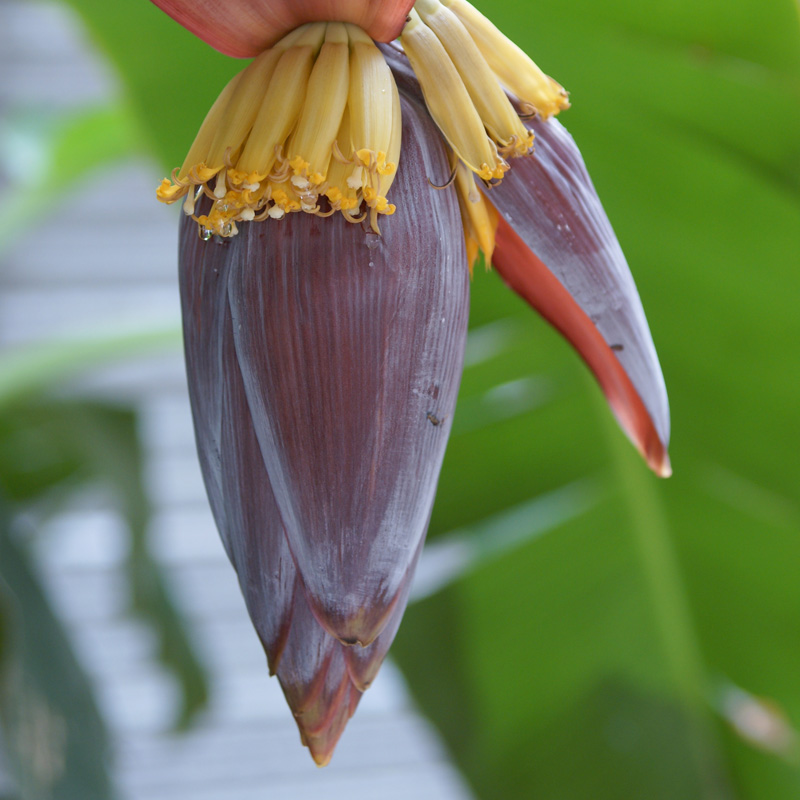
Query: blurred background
[(580, 629)]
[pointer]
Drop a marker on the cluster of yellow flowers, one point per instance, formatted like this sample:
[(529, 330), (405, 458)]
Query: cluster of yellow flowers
[(313, 124)]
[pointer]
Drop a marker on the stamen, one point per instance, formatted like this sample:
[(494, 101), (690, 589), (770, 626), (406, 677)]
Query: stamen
[(339, 155), (221, 187), (356, 179), (191, 199), (355, 220), (449, 180)]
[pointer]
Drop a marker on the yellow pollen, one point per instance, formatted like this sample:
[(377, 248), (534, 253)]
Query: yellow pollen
[(169, 192), (299, 166)]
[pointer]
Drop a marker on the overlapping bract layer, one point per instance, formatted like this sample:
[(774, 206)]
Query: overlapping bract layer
[(317, 356), (312, 125)]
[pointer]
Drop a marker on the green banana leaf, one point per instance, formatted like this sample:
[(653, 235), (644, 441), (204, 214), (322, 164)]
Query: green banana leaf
[(56, 742), (48, 450)]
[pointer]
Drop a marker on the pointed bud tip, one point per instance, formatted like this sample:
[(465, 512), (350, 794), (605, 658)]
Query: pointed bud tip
[(322, 736), (663, 467), (321, 759), (320, 747), (651, 449)]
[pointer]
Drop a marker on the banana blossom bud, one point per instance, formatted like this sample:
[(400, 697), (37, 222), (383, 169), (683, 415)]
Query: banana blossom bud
[(325, 325)]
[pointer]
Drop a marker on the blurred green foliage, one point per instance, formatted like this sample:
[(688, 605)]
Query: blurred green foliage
[(44, 155), (601, 658), (55, 739), (56, 742)]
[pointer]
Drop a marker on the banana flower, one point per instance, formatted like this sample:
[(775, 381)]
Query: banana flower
[(335, 198)]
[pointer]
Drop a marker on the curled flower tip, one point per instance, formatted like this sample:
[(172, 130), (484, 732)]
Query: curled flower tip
[(515, 70), (530, 277), (312, 125), (465, 68)]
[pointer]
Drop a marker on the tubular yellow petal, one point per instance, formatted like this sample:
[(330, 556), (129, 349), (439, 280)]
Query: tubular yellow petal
[(395, 140), (241, 110), (279, 110), (491, 102), (374, 121), (344, 192), (312, 33), (479, 217), (370, 98), (326, 98), (514, 68), (198, 152), (448, 100)]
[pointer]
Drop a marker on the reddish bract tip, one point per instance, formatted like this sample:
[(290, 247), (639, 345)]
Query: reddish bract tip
[(245, 28), (552, 210), (532, 280)]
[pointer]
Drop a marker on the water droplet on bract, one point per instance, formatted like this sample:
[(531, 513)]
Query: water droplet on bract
[(205, 234), (372, 263), (372, 239)]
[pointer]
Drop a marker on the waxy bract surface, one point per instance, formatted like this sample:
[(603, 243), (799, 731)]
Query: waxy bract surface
[(324, 364)]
